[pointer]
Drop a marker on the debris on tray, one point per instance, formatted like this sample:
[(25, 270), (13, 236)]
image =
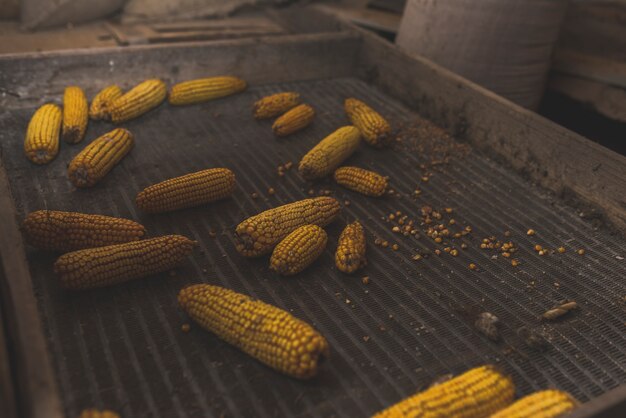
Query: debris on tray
[(185, 328), (533, 338), (441, 379), (559, 310), (487, 323)]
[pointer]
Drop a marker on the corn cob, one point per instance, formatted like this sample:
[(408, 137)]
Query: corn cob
[(41, 144), (95, 413), (350, 255), (139, 100), (75, 114), (326, 156), (476, 393), (298, 250), (267, 333), (360, 180), (187, 191), (204, 89), (543, 404), (276, 104), (374, 128), (100, 104), (294, 120), (54, 230), (105, 266), (259, 234), (99, 157)]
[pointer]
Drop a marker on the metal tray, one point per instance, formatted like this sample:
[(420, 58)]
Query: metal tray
[(122, 347)]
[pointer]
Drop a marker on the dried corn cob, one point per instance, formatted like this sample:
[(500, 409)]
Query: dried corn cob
[(54, 230), (329, 153), (99, 157), (187, 191), (267, 333), (476, 393), (360, 180), (350, 255), (137, 101), (276, 104), (375, 129), (100, 104), (294, 120), (544, 404), (41, 144), (204, 89), (75, 114), (105, 266), (95, 413), (259, 234), (298, 250)]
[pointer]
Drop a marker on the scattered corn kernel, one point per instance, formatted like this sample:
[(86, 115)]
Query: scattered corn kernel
[(530, 232), (96, 413)]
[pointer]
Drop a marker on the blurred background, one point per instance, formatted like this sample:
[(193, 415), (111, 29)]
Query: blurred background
[(563, 59)]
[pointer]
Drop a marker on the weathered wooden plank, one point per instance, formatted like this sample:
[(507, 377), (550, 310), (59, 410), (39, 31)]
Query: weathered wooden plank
[(39, 395), (31, 79)]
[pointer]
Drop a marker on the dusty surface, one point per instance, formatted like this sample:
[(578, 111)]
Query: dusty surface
[(123, 348)]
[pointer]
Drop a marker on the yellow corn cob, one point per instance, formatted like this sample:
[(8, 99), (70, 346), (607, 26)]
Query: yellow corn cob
[(99, 157), (267, 333), (204, 89), (259, 234), (360, 180), (41, 144), (476, 393), (544, 404), (298, 250), (54, 230), (326, 156), (140, 99), (100, 104), (95, 413), (105, 266), (75, 114), (187, 191), (276, 104), (294, 120), (373, 126), (350, 255)]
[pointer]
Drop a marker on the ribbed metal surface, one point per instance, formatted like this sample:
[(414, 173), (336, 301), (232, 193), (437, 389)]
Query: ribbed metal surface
[(123, 348)]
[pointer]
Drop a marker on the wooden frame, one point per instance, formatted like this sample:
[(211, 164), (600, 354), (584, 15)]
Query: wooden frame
[(554, 157)]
